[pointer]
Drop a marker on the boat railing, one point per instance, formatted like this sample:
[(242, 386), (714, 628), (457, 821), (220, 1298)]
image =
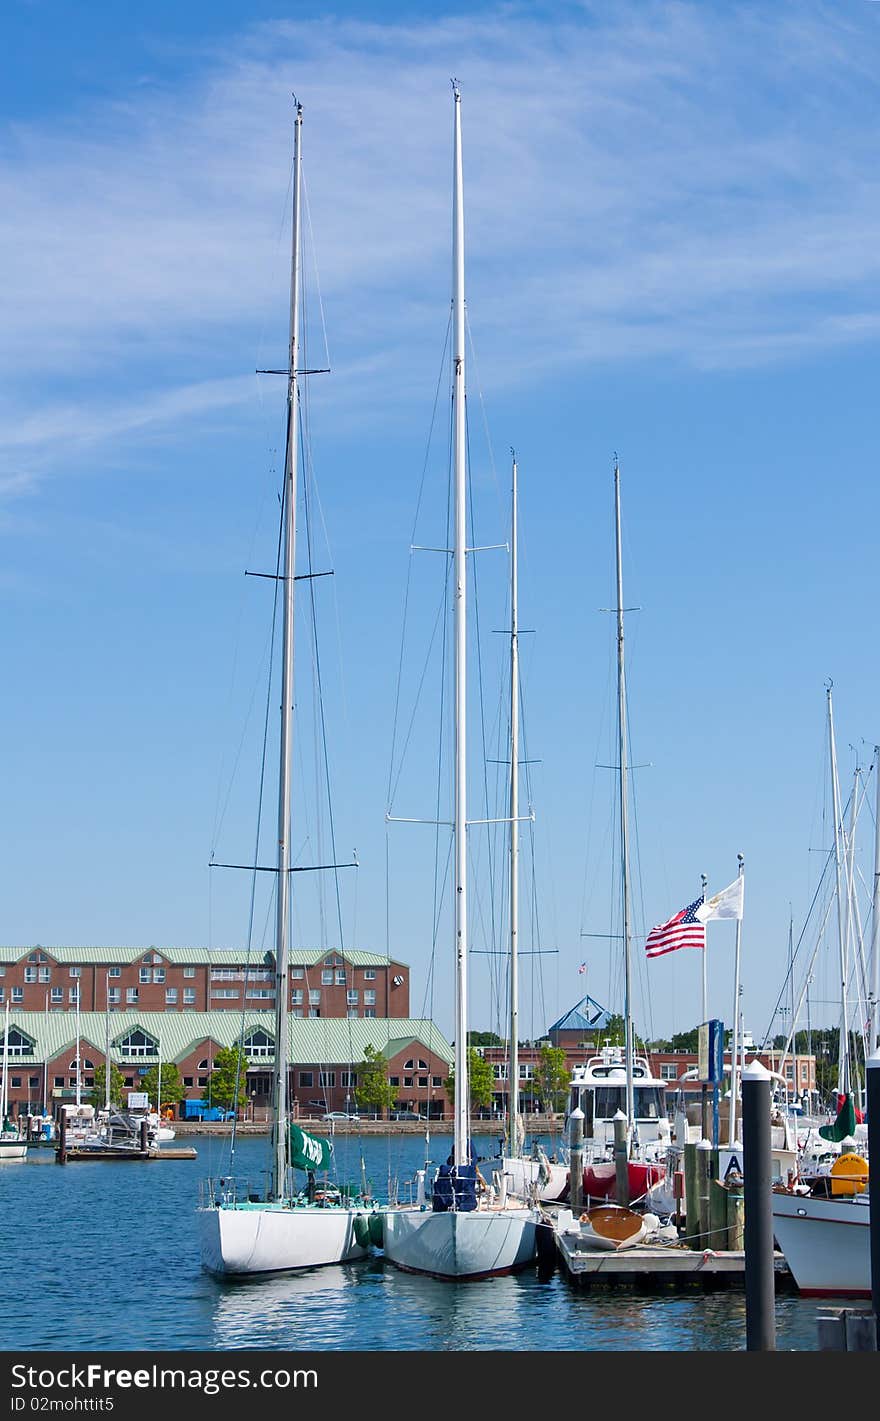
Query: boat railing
[(228, 1190)]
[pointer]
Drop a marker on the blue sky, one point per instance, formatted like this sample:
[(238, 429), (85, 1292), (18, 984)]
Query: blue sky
[(672, 215)]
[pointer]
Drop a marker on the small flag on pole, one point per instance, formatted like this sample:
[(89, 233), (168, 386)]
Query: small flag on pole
[(583, 967), (684, 929), (726, 904)]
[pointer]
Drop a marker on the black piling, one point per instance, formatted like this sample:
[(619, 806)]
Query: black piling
[(757, 1205), (872, 1076)]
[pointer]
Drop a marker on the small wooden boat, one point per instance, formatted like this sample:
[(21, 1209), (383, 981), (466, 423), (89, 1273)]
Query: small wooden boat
[(611, 1227)]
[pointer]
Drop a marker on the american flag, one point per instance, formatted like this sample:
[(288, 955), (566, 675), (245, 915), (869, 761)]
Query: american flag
[(684, 929)]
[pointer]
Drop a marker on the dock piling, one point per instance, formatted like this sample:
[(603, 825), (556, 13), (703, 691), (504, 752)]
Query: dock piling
[(758, 1220)]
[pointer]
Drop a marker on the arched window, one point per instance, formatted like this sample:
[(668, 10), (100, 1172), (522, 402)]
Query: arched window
[(259, 1043), (19, 1044)]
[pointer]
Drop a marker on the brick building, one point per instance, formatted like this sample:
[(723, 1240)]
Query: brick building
[(323, 983)]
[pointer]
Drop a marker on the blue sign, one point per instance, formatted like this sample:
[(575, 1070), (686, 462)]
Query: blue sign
[(710, 1052)]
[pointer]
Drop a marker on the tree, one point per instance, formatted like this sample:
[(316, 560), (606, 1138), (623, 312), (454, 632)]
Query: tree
[(374, 1091), (99, 1090), (484, 1038), (552, 1078), (230, 1070), (687, 1040), (615, 1031), (481, 1079), (172, 1086)]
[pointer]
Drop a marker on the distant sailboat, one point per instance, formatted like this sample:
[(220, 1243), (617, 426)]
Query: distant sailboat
[(460, 1232), (13, 1145), (284, 1230)]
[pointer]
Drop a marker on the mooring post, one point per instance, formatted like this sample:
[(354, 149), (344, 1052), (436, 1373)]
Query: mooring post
[(704, 1186), (691, 1196), (144, 1141), (872, 1076), (621, 1158), (757, 1205), (61, 1152), (576, 1160)]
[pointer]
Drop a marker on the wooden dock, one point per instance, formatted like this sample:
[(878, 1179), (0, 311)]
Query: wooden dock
[(647, 1267), (73, 1152)]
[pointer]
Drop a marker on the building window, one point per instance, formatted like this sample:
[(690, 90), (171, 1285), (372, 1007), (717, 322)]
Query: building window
[(129, 1081), (394, 1080), (187, 1081), (225, 974), (327, 977), (369, 974), (131, 995), (259, 1043), (296, 972), (407, 1080), (57, 994), (115, 972), (296, 996), (44, 974), (18, 994), (30, 974), (499, 1072), (340, 977), (159, 974), (369, 1012), (423, 1081), (19, 1044), (669, 1071), (348, 1078), (525, 1070), (114, 995), (352, 997), (369, 998), (436, 1080), (144, 974), (306, 1078), (2, 993), (314, 998), (297, 1011), (171, 996), (59, 1081), (327, 1078), (73, 995), (224, 992), (189, 971), (75, 972), (137, 1042), (314, 1011), (263, 993), (33, 1082), (203, 1080), (189, 996)]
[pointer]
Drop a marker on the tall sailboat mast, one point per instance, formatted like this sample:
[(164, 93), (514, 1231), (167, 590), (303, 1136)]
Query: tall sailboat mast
[(843, 1048), (460, 1148), (624, 828), (282, 919), (874, 1043), (513, 1053)]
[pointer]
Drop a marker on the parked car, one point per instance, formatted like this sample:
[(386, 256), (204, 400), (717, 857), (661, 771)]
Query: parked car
[(340, 1115), (406, 1115)]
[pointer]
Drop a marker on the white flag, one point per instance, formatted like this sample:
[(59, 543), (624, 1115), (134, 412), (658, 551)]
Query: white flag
[(726, 904)]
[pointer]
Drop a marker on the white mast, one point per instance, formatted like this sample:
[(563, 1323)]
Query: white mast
[(624, 832), (78, 1050), (107, 1043), (874, 997), (159, 1076), (843, 1047), (282, 919), (3, 1088), (513, 1054), (461, 1151)]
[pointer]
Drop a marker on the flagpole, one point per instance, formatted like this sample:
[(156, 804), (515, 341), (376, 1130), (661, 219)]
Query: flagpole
[(734, 1038), (705, 1017)]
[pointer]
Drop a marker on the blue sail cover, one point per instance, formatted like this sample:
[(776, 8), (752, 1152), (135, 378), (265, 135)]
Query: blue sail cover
[(455, 1188)]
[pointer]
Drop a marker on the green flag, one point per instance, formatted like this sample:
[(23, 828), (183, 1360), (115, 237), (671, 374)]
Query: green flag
[(844, 1125), (308, 1152)]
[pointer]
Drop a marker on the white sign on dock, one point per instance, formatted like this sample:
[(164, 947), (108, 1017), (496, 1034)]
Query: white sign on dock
[(138, 1100)]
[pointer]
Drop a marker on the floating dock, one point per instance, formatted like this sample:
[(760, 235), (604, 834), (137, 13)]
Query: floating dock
[(74, 1152), (656, 1266)]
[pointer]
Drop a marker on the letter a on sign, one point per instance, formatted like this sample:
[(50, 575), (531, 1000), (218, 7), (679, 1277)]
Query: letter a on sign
[(734, 1167)]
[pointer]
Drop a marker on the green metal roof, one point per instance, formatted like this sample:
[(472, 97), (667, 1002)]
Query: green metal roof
[(311, 1039), (192, 956)]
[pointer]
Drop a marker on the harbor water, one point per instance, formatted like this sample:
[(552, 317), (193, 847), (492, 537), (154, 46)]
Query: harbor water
[(106, 1257)]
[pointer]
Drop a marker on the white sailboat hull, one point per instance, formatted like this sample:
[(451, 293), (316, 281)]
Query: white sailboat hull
[(481, 1244), (237, 1241), (825, 1242), (528, 1177), (13, 1149)]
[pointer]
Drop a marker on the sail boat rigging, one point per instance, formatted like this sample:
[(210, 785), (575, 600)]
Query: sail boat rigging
[(284, 1231), (609, 1084), (461, 1235)]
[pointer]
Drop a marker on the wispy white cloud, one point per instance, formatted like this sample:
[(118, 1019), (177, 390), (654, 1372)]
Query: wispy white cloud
[(644, 180)]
